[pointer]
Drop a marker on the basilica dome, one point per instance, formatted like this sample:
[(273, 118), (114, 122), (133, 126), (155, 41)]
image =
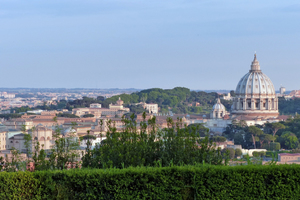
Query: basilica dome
[(255, 95), (255, 82)]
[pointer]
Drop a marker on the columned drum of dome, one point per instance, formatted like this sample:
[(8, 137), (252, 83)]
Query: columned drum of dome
[(255, 95)]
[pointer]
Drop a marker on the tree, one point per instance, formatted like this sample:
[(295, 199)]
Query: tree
[(269, 138), (275, 146), (147, 145), (288, 140), (100, 98), (238, 152), (275, 127), (218, 139), (231, 152), (238, 138), (66, 115), (255, 132), (88, 115), (65, 148), (232, 93), (259, 153)]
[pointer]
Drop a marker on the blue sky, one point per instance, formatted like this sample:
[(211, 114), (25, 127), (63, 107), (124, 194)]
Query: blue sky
[(199, 44)]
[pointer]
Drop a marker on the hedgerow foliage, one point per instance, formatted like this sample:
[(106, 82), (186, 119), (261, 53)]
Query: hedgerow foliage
[(177, 182)]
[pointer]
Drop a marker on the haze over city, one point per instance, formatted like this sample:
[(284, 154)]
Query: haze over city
[(145, 44)]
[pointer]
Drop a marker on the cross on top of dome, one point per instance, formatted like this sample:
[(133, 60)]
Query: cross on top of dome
[(255, 65)]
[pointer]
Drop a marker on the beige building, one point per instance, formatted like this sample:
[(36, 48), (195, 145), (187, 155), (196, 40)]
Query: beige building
[(114, 109), (43, 135), (19, 123), (40, 134), (3, 140), (289, 157), (17, 142)]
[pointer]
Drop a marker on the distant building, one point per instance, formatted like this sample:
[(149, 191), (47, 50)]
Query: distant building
[(151, 107), (93, 142), (228, 97), (40, 134), (19, 123), (289, 157), (282, 90), (95, 105), (114, 109), (295, 93)]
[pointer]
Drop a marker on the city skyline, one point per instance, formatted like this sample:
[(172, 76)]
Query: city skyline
[(201, 45)]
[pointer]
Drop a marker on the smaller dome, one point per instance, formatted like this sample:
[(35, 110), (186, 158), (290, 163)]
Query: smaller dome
[(218, 110), (218, 105)]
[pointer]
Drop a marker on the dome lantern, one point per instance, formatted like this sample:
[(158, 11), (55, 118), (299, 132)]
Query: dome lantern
[(255, 67)]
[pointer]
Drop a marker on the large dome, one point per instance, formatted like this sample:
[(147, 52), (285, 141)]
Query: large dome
[(255, 82), (255, 95)]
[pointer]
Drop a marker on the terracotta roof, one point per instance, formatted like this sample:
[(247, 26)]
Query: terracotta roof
[(289, 154), (283, 117)]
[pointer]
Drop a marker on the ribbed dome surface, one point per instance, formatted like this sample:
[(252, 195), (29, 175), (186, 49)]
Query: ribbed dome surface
[(255, 82)]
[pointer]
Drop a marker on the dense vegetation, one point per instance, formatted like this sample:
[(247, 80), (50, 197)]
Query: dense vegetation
[(172, 182), (289, 107), (149, 146), (272, 136), (141, 144), (179, 100)]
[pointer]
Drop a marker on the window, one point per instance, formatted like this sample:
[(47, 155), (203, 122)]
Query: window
[(264, 104), (249, 104), (256, 105)]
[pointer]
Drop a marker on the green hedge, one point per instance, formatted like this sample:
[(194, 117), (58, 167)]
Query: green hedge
[(187, 182)]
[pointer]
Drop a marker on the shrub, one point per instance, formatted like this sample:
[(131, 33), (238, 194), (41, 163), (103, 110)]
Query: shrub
[(259, 153), (238, 152), (275, 146), (179, 182)]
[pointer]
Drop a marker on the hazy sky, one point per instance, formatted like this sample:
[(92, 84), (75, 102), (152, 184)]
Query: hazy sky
[(199, 44)]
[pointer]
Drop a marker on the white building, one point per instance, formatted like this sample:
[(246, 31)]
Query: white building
[(93, 142), (95, 105), (151, 107)]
